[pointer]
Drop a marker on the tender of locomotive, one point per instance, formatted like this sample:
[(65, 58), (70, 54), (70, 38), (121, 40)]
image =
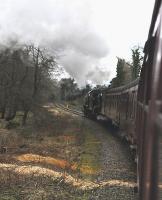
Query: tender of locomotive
[(136, 109), (93, 103)]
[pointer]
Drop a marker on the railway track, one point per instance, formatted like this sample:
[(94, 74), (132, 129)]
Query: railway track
[(112, 156), (79, 113), (74, 111)]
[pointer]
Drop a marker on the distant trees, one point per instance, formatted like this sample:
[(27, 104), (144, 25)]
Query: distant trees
[(126, 72), (68, 88), (86, 89), (137, 59), (120, 74), (25, 73)]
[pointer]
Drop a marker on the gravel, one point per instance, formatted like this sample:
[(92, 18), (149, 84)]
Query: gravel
[(116, 165)]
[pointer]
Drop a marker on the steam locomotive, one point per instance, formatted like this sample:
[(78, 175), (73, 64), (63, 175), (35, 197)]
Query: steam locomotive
[(136, 108)]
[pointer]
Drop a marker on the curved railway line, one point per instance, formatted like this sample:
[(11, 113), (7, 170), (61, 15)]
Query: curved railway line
[(74, 111), (116, 174)]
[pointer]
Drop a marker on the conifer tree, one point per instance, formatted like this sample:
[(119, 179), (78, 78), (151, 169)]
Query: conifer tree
[(136, 62), (120, 72)]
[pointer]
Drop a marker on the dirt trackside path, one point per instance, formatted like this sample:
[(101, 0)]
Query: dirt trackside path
[(61, 156)]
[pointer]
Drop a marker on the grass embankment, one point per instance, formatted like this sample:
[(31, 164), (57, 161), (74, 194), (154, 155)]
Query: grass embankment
[(89, 162), (53, 157)]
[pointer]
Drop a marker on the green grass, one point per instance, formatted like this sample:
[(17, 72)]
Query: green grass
[(89, 162)]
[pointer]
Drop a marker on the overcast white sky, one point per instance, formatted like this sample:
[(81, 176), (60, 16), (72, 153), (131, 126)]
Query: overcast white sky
[(89, 34)]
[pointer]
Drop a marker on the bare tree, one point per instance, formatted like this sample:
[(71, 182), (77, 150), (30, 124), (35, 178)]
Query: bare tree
[(25, 73)]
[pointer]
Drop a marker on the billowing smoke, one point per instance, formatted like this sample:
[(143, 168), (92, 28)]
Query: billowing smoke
[(94, 76), (63, 27)]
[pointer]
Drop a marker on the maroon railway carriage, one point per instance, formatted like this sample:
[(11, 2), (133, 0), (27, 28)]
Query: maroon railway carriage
[(119, 104), (149, 113), (141, 118), (136, 109)]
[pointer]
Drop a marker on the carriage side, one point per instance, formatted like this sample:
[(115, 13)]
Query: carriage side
[(119, 105)]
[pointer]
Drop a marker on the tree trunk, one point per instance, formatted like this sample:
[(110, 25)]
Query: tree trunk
[(36, 74), (11, 115), (24, 117), (3, 112)]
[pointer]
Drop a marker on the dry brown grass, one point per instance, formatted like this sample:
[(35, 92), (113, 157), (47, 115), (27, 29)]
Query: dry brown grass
[(44, 154), (10, 171), (53, 157), (27, 158)]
